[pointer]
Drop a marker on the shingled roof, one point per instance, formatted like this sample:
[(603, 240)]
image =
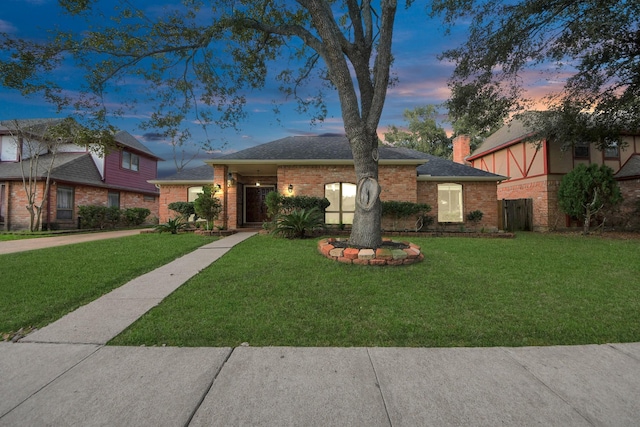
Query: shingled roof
[(71, 167), (631, 168), (438, 169), (125, 139), (506, 135), (324, 147), (330, 149)]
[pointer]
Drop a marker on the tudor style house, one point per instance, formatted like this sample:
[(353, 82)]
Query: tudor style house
[(322, 166), (535, 171), (78, 176)]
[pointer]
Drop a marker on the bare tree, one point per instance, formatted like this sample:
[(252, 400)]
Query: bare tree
[(38, 143)]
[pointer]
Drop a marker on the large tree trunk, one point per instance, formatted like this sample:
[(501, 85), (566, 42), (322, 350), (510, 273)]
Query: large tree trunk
[(366, 230)]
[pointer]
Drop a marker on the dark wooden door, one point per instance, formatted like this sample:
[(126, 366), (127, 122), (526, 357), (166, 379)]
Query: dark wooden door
[(255, 207)]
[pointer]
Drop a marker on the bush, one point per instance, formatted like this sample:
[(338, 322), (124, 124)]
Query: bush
[(135, 216), (273, 200), (399, 210), (586, 191), (173, 225), (297, 223), (207, 206), (101, 217), (475, 216), (293, 203), (185, 209)]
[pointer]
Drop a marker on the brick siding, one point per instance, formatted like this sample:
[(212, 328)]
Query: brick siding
[(397, 182), (19, 219), (475, 196)]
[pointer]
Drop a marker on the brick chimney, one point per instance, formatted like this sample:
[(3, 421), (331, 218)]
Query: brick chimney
[(461, 148)]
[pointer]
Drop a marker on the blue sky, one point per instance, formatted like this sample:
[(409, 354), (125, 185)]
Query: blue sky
[(422, 80)]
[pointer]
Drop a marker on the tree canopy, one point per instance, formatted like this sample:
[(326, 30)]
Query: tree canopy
[(423, 133), (589, 50), (205, 56)]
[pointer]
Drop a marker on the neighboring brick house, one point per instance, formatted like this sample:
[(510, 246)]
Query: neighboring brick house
[(322, 166), (535, 170), (78, 177)]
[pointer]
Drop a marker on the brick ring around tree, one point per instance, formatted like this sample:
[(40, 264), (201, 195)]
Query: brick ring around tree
[(399, 253)]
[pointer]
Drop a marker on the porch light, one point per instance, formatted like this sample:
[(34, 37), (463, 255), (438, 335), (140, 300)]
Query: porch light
[(230, 180), (290, 188), (257, 183), (218, 188)]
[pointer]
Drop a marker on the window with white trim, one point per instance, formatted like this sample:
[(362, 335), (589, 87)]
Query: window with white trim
[(342, 199), (450, 203), (192, 193), (130, 161)]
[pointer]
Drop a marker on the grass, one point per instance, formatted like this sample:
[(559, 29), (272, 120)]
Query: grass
[(24, 235), (40, 286), (536, 289)]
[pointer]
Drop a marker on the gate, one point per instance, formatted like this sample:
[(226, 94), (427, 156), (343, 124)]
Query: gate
[(517, 215)]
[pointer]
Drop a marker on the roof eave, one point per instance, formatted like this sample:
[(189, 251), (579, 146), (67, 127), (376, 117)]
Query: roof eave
[(499, 147), (430, 178), (180, 181), (309, 162)]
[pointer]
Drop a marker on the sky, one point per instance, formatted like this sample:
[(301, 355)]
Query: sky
[(422, 80)]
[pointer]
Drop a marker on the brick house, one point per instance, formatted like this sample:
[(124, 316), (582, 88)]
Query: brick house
[(79, 176), (535, 171), (322, 166)]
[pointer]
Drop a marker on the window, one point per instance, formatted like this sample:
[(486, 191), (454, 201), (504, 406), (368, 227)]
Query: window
[(64, 203), (342, 198), (130, 161), (192, 193), (581, 150), (449, 203), (612, 151), (113, 199)]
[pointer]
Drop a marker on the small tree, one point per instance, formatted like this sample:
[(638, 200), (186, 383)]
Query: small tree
[(586, 191), (207, 206), (38, 143)]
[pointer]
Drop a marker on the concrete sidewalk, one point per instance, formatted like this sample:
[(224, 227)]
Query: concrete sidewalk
[(64, 375), (12, 246), (90, 385)]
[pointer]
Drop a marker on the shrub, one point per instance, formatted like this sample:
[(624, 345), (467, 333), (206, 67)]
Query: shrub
[(399, 210), (101, 217), (135, 216), (185, 209), (207, 206), (293, 203), (587, 190), (297, 223), (173, 225), (475, 216), (273, 200)]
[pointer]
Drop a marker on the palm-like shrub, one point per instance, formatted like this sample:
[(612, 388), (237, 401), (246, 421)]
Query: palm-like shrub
[(173, 225), (297, 223)]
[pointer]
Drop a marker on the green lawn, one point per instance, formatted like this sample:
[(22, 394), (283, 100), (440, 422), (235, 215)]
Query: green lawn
[(40, 286), (536, 289)]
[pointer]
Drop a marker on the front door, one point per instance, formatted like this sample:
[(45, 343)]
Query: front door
[(255, 206)]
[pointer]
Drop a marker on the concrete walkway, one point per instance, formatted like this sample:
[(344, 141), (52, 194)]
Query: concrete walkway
[(11, 246), (64, 375)]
